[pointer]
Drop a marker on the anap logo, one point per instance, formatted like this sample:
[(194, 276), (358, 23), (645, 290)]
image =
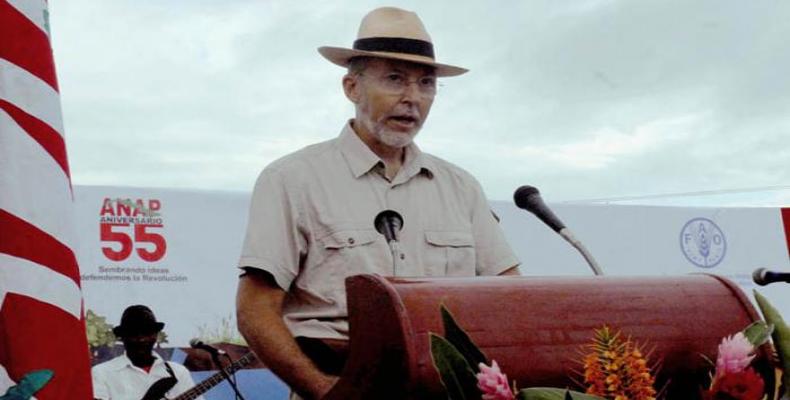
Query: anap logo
[(127, 225), (703, 243)]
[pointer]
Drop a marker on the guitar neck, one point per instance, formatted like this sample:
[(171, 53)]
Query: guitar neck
[(217, 378)]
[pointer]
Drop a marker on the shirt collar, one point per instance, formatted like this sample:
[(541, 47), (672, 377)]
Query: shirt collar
[(361, 159), (125, 362)]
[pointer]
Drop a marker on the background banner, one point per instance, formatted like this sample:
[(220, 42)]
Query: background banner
[(176, 250)]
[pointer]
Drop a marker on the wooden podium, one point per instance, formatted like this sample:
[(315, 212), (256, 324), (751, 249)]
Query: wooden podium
[(533, 327)]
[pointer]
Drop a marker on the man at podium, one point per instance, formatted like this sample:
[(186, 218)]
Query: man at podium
[(311, 221)]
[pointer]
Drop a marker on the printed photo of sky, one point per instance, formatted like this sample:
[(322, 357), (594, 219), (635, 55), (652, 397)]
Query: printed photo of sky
[(658, 102)]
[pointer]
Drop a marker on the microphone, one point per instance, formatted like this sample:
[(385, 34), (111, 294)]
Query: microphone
[(389, 223), (528, 198), (762, 276), (198, 344)]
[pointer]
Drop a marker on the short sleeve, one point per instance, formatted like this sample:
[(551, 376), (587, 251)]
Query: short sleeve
[(492, 250), (273, 241)]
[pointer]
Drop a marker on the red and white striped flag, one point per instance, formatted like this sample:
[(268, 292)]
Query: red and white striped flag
[(41, 311)]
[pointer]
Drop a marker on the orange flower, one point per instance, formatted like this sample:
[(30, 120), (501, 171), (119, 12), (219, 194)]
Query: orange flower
[(616, 369)]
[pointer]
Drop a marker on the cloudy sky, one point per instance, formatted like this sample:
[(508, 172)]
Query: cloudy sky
[(585, 99)]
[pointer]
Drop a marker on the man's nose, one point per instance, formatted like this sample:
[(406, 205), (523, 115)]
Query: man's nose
[(411, 92)]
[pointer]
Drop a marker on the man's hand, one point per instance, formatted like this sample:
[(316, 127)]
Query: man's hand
[(259, 303)]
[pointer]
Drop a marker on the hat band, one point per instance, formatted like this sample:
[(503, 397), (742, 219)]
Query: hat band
[(395, 45)]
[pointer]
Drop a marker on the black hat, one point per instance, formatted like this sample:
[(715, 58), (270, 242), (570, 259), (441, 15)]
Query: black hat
[(137, 320)]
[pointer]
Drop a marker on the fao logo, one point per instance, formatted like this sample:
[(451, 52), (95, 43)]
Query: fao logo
[(703, 243)]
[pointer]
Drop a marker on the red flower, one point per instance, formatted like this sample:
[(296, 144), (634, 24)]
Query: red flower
[(743, 385)]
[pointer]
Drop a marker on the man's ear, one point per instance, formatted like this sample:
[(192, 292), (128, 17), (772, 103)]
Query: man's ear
[(351, 87)]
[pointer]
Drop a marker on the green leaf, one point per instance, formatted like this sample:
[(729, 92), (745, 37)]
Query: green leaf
[(758, 332), (28, 385), (780, 335), (462, 342), (541, 393), (457, 376)]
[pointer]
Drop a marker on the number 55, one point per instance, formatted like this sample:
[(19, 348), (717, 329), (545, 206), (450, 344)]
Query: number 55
[(141, 235)]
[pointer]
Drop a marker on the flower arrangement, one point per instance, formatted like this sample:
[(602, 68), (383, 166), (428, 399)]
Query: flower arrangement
[(615, 368), (734, 377), (468, 374)]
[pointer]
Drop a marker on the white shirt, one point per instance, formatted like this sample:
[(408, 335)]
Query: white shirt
[(118, 379)]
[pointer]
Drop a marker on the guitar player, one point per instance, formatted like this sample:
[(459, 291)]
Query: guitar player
[(139, 373)]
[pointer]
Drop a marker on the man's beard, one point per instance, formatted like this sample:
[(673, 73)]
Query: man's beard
[(387, 136), (394, 139)]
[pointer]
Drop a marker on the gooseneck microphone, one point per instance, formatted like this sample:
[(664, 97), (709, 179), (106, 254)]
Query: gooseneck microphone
[(389, 223), (762, 276), (198, 344), (528, 198)]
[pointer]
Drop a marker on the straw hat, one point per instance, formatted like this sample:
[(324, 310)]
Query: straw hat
[(392, 33)]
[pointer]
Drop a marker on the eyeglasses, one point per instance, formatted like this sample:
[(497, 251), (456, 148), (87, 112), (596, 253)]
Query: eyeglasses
[(396, 83)]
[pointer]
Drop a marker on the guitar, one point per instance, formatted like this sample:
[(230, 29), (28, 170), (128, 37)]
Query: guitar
[(159, 388)]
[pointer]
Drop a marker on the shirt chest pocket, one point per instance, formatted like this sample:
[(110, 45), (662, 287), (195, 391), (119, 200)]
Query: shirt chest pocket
[(450, 253), (350, 252)]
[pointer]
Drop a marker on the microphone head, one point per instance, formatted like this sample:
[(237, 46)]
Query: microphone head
[(528, 198), (524, 197), (388, 217), (758, 276), (199, 345)]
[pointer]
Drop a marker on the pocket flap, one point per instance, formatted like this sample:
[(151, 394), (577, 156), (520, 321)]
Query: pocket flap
[(449, 238), (349, 238)]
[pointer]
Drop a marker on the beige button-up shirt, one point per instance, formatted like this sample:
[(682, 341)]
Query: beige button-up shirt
[(311, 226)]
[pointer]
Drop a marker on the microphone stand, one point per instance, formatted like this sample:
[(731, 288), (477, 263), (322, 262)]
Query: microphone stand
[(528, 198), (231, 382), (568, 236), (395, 251)]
